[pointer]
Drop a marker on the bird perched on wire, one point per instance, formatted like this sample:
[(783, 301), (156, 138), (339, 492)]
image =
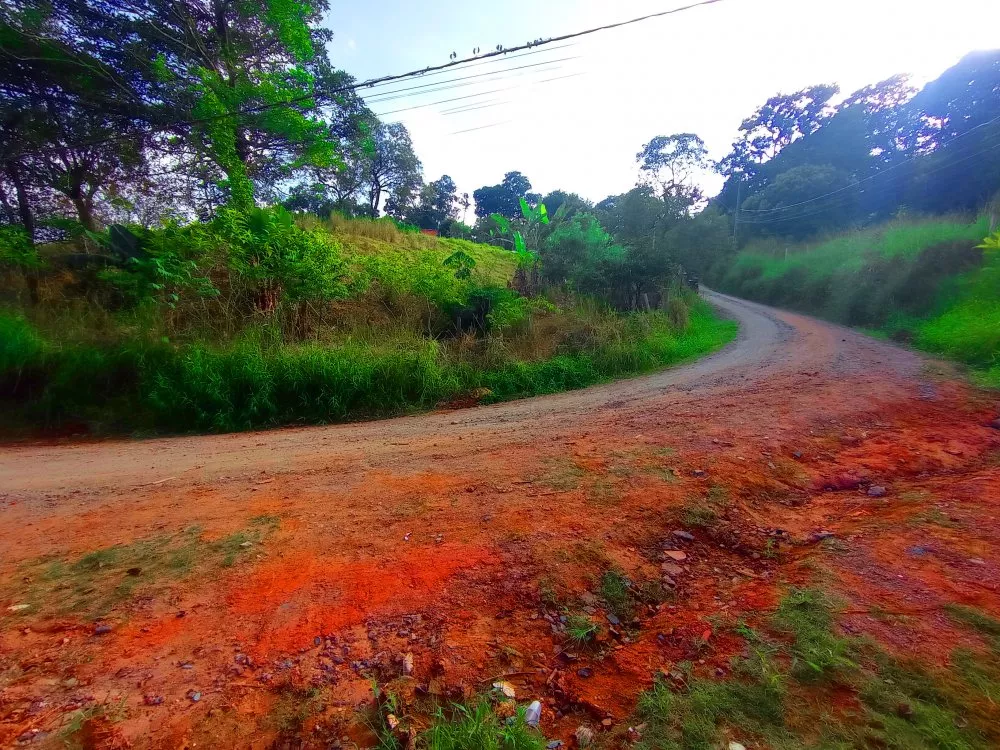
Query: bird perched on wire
[(453, 55), (475, 51)]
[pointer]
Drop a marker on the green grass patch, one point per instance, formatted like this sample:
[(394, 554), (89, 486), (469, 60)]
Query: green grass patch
[(99, 582), (774, 698), (986, 626), (580, 629), (704, 512), (617, 595)]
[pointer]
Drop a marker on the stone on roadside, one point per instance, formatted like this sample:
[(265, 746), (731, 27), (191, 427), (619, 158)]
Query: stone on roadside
[(533, 714), (506, 688), (876, 490), (675, 554), (685, 535)]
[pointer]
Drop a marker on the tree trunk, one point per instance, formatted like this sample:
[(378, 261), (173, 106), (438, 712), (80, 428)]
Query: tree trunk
[(27, 221), (85, 212)]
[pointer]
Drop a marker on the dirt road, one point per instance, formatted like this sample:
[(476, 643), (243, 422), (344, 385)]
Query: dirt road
[(264, 572)]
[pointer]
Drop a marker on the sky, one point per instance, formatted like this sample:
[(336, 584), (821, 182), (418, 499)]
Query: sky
[(576, 119)]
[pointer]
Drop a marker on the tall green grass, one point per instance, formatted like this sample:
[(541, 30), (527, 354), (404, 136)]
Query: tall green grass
[(143, 384), (919, 281)]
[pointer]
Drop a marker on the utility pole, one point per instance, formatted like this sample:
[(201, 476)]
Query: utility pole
[(736, 212)]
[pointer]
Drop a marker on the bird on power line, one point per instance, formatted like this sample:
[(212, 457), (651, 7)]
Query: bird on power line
[(453, 55)]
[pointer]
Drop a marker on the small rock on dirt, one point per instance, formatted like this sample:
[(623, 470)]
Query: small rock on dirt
[(533, 714), (152, 700), (102, 630), (607, 723), (407, 663), (819, 536), (554, 745), (685, 535), (995, 424), (876, 491), (841, 482), (675, 554), (18, 607), (613, 619), (506, 688), (736, 746), (672, 569), (194, 695), (698, 473), (584, 737), (584, 672)]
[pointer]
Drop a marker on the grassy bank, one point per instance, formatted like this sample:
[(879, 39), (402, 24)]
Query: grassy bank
[(408, 333), (923, 282)]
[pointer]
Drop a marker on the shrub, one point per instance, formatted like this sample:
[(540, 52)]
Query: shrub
[(266, 247)]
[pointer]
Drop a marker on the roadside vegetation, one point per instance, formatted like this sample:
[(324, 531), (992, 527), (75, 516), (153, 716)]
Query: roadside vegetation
[(933, 283), (392, 327)]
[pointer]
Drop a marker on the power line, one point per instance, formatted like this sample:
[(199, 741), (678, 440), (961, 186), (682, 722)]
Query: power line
[(465, 78), (462, 110), (865, 179), (473, 96), (481, 127), (442, 87), (309, 99)]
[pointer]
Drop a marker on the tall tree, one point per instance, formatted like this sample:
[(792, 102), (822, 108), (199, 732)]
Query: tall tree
[(392, 170), (668, 163), (778, 122), (505, 198)]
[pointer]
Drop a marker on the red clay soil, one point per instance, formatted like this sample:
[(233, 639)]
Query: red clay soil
[(457, 539)]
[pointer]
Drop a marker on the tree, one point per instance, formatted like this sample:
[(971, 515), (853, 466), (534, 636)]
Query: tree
[(63, 93), (437, 204), (392, 169), (563, 205), (505, 198), (781, 120), (803, 183), (669, 162)]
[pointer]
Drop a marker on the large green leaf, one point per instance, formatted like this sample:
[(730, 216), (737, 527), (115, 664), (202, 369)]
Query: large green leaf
[(519, 245), (502, 222), (526, 211)]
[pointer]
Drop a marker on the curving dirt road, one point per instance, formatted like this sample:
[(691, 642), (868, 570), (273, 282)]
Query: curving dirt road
[(254, 569), (771, 345)]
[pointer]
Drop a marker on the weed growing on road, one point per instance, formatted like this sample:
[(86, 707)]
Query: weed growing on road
[(617, 594), (580, 629), (704, 512)]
